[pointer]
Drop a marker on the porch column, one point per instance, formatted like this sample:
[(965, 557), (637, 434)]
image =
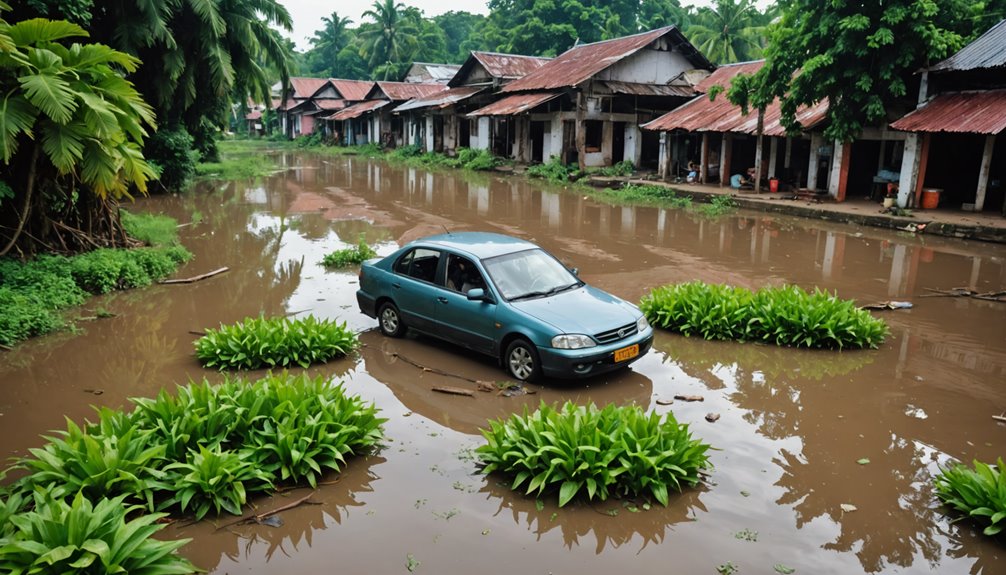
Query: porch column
[(773, 156), (788, 161), (675, 154), (633, 144), (983, 175), (428, 144), (839, 171), (664, 161), (815, 144), (581, 132), (704, 157), (909, 168), (726, 150)]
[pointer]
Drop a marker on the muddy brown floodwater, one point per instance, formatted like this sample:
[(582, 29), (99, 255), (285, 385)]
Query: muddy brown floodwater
[(793, 423)]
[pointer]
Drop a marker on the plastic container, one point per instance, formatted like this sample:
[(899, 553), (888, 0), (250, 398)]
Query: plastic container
[(931, 198), (773, 185)]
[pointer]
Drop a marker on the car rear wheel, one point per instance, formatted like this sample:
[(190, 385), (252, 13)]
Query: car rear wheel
[(390, 320), (521, 360)]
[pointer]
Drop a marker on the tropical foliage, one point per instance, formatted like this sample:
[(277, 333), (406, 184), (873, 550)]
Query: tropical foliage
[(355, 255), (618, 451), (979, 493), (729, 31), (274, 342), (785, 315)]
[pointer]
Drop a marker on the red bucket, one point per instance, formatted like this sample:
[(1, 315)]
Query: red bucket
[(930, 198), (773, 185)]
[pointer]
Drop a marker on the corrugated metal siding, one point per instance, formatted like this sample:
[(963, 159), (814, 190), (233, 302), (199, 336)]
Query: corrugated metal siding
[(580, 63), (514, 104), (441, 99), (508, 66), (988, 51), (959, 112)]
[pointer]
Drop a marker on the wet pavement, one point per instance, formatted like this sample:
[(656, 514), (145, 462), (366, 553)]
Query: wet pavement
[(793, 423)]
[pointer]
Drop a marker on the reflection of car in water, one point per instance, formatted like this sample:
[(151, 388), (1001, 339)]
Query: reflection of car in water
[(393, 362), (506, 298)]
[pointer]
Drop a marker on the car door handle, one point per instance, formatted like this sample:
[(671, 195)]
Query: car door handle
[(396, 286), (442, 299)]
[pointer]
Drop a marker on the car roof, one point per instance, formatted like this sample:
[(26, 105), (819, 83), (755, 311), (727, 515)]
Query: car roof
[(479, 244)]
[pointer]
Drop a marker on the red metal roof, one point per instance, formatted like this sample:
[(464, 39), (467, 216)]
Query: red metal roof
[(514, 104), (440, 99), (355, 90), (399, 91), (254, 115), (508, 66), (959, 112), (306, 87), (719, 115), (580, 63), (357, 110)]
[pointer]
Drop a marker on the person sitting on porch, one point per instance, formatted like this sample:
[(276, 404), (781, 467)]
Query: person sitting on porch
[(693, 173), (746, 180)]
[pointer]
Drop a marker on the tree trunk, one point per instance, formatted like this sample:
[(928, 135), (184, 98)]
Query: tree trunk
[(26, 210), (758, 152)]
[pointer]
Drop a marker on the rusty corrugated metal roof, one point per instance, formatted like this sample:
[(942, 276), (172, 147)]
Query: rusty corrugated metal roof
[(355, 90), (580, 63), (357, 110), (635, 89), (988, 51), (399, 91), (306, 87), (508, 66), (514, 104), (959, 112), (254, 115), (440, 99), (719, 115)]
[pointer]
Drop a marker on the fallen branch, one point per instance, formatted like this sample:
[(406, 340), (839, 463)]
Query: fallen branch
[(6, 347), (261, 516), (196, 278), (195, 332), (885, 305), (454, 390), (999, 418), (432, 370), (997, 296)]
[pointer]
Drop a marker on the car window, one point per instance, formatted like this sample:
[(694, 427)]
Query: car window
[(529, 273), (420, 263), (462, 275)]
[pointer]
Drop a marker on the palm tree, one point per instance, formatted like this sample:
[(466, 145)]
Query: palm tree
[(728, 32), (328, 42), (391, 40)]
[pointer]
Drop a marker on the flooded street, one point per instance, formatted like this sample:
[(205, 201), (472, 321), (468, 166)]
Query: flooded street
[(793, 423)]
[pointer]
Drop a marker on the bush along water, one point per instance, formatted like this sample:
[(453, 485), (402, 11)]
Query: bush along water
[(200, 451), (780, 315), (979, 493), (355, 255), (274, 342), (618, 451)]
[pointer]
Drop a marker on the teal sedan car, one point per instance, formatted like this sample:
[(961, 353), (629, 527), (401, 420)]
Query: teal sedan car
[(506, 298)]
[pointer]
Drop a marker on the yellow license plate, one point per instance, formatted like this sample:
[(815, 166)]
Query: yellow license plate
[(626, 353)]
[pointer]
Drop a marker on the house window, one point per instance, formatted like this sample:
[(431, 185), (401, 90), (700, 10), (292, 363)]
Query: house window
[(475, 128), (592, 139)]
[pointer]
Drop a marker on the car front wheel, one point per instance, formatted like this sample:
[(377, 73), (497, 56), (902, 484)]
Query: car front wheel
[(521, 360), (390, 320)]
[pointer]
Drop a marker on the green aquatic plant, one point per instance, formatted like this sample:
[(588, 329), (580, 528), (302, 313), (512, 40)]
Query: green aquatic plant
[(979, 493), (81, 537), (274, 342), (346, 257), (214, 479), (553, 170), (718, 205), (618, 451), (785, 315)]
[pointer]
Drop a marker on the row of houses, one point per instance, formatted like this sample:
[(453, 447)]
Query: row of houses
[(644, 99)]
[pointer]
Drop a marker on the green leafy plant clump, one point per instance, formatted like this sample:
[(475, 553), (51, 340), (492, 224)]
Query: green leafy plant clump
[(979, 493), (274, 342), (785, 315), (346, 257), (618, 451), (553, 170)]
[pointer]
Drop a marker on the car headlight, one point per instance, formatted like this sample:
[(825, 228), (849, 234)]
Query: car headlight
[(642, 324), (572, 341)]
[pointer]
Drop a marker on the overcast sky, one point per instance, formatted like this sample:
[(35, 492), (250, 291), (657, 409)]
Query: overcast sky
[(307, 14)]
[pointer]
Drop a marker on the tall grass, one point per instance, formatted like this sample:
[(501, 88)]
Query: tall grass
[(783, 316), (618, 451)]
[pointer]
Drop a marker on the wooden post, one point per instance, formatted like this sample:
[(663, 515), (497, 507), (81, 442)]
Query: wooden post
[(788, 161), (983, 175), (581, 132), (773, 156), (704, 157), (726, 151), (927, 138)]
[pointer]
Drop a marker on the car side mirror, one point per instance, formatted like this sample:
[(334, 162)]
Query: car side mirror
[(575, 271), (477, 294)]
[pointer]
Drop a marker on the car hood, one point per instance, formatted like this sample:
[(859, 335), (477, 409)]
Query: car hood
[(586, 310)]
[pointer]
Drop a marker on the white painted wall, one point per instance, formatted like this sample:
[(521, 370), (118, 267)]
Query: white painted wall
[(428, 143), (481, 141), (633, 143), (648, 67)]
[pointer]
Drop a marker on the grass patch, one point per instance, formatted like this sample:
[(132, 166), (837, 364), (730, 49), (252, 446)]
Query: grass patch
[(618, 451), (553, 171), (33, 294), (274, 342), (783, 316), (346, 257), (979, 493), (236, 167), (93, 495), (718, 206)]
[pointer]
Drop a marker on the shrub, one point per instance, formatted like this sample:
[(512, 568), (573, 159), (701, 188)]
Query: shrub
[(553, 170), (784, 316), (85, 537), (409, 151), (151, 229), (171, 150), (612, 452), (355, 255), (311, 140), (979, 493), (272, 342), (718, 206), (477, 160), (104, 270), (213, 478), (619, 169)]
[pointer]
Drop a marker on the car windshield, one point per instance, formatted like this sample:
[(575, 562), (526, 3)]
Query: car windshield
[(530, 273)]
